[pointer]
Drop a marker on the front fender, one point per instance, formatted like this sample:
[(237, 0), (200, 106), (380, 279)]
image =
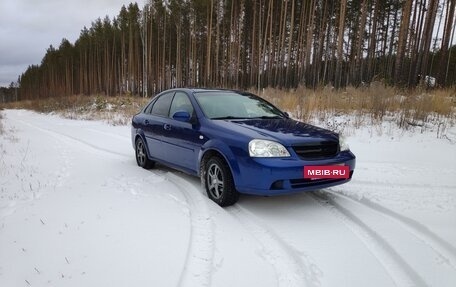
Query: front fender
[(226, 151)]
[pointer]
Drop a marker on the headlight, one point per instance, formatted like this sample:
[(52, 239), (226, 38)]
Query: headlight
[(343, 143), (265, 148)]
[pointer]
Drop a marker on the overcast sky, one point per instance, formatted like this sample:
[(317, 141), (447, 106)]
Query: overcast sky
[(28, 27)]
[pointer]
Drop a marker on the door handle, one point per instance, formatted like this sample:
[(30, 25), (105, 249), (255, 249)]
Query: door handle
[(167, 127)]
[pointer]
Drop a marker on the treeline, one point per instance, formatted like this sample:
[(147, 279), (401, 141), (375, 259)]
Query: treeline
[(258, 43), (8, 94)]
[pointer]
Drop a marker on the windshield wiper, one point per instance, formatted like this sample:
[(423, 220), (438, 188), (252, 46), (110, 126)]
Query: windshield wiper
[(247, 118), (268, 117), (228, 118)]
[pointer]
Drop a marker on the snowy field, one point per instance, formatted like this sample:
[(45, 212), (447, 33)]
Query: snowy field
[(76, 210)]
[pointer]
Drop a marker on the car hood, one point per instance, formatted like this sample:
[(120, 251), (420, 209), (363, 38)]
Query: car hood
[(287, 131)]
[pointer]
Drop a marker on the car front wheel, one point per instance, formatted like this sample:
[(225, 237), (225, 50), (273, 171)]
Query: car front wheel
[(219, 182), (141, 155)]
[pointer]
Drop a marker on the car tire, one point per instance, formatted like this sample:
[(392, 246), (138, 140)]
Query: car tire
[(141, 155), (219, 183)]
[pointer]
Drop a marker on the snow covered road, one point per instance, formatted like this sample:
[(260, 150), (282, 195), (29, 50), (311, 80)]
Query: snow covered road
[(76, 210)]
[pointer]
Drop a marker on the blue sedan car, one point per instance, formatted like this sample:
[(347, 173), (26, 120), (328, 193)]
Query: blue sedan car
[(236, 143)]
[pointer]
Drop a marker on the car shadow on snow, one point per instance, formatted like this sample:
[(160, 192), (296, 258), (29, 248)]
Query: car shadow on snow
[(288, 203)]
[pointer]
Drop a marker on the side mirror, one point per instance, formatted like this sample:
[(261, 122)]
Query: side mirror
[(286, 115), (182, 116)]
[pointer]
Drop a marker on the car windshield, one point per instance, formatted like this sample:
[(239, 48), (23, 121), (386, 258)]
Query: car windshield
[(231, 105)]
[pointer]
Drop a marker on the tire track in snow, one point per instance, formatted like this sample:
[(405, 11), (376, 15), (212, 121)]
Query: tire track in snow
[(398, 269), (63, 172), (113, 135), (412, 185), (444, 250), (60, 175), (198, 265), (73, 139), (292, 267)]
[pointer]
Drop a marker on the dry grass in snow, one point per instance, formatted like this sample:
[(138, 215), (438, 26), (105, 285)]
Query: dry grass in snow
[(334, 109), (368, 106), (113, 110)]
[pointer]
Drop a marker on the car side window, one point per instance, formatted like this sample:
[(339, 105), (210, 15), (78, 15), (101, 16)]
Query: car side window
[(162, 105), (181, 102), (148, 109)]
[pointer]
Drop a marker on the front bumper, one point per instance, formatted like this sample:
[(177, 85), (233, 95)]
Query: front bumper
[(275, 176)]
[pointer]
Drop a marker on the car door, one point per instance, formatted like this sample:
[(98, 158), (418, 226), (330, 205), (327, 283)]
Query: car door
[(154, 126), (183, 138)]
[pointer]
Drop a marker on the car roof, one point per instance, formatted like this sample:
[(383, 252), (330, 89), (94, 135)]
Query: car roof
[(196, 90)]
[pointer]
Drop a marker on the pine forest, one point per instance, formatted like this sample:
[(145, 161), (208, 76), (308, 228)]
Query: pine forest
[(244, 44)]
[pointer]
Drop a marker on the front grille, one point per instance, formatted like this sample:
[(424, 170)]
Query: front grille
[(315, 151)]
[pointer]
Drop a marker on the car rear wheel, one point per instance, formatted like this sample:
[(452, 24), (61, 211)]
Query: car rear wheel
[(141, 155), (219, 182)]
